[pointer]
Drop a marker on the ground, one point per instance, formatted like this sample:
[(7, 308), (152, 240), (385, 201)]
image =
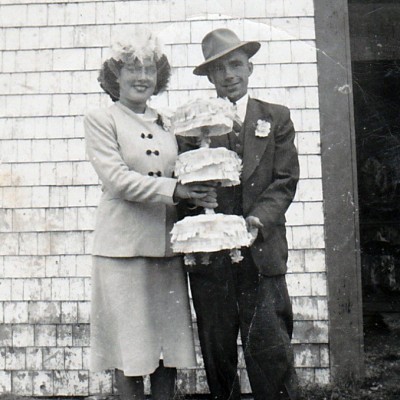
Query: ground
[(382, 366)]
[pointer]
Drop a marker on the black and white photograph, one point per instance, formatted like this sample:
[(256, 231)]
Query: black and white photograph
[(200, 199)]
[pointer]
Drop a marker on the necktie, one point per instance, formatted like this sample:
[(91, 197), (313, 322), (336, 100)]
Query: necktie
[(237, 127), (237, 122), (234, 135)]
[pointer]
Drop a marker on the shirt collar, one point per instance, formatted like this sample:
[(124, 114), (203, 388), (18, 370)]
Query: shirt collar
[(241, 106)]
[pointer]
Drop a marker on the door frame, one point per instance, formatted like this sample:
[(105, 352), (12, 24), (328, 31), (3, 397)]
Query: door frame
[(339, 182)]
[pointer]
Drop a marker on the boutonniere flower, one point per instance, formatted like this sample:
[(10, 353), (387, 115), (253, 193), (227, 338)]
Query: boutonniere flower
[(263, 128)]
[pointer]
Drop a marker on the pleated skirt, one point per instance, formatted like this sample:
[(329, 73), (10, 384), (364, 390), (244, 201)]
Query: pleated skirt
[(140, 312)]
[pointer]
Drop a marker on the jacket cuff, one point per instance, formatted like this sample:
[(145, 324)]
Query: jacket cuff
[(168, 190)]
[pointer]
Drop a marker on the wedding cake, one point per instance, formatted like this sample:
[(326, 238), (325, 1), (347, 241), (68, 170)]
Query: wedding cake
[(208, 232), (206, 164), (212, 117)]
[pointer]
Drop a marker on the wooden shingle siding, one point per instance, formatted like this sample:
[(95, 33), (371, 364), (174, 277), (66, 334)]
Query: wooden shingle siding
[(51, 52)]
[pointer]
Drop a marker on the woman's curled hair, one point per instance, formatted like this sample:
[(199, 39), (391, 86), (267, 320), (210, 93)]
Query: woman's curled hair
[(108, 77)]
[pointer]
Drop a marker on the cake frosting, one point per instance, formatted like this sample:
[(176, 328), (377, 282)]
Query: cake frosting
[(209, 164), (210, 117), (209, 233), (202, 234)]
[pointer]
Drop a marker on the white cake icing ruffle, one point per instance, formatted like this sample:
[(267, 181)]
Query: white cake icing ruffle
[(213, 117), (209, 233), (199, 235), (209, 164)]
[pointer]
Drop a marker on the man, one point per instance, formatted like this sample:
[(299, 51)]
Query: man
[(252, 295)]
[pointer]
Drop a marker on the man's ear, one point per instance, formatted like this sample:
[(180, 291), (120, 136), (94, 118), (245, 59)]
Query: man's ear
[(251, 67)]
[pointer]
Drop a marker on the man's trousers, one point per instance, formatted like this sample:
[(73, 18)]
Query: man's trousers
[(231, 297)]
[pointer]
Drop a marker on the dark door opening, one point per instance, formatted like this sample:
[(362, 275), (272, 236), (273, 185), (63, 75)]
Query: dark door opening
[(376, 84), (377, 125)]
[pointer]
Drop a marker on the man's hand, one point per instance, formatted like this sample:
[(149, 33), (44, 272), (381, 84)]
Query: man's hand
[(253, 224)]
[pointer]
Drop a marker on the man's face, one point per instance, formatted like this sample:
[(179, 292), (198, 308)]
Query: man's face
[(230, 75)]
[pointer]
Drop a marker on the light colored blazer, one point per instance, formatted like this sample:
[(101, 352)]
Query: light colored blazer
[(134, 158)]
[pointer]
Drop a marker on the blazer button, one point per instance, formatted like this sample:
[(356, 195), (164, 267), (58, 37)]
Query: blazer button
[(156, 152), (158, 173), (142, 135), (151, 173), (148, 152), (150, 136)]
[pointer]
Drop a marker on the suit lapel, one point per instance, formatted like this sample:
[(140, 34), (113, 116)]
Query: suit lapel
[(254, 147)]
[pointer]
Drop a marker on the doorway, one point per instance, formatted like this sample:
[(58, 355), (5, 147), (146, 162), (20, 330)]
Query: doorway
[(375, 54)]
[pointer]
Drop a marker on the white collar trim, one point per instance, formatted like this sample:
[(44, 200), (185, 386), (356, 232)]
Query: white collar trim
[(241, 106)]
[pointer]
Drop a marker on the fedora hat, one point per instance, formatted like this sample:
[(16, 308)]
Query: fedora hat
[(219, 43)]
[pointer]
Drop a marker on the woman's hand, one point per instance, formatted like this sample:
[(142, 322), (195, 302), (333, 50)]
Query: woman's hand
[(198, 194)]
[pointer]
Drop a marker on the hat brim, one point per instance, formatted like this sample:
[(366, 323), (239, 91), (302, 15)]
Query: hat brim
[(250, 48)]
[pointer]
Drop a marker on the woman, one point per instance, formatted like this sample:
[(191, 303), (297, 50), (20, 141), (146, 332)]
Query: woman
[(140, 322)]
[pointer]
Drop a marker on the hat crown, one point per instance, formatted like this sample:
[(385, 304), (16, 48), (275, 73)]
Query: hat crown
[(219, 41)]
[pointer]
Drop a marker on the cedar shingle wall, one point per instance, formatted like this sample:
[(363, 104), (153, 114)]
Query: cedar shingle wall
[(51, 52)]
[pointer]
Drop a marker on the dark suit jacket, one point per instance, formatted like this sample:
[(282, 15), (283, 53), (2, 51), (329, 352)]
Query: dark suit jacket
[(269, 179)]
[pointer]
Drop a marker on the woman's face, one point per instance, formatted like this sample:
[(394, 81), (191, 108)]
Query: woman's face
[(137, 82)]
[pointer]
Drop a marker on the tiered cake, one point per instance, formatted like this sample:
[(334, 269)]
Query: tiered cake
[(199, 118), (208, 232), (206, 164)]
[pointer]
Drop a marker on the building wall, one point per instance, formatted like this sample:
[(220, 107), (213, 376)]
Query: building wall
[(51, 53)]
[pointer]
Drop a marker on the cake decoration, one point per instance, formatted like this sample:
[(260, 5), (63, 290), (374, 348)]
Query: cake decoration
[(212, 117), (199, 235), (206, 164)]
